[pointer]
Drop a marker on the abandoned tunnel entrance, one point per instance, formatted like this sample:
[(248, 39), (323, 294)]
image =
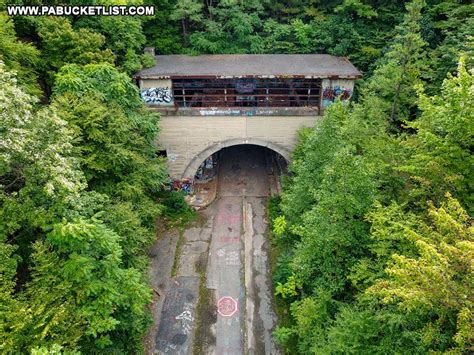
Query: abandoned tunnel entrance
[(243, 170), (247, 146), (256, 156)]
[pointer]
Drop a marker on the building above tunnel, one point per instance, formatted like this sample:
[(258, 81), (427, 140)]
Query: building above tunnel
[(211, 102), (263, 84), (251, 65)]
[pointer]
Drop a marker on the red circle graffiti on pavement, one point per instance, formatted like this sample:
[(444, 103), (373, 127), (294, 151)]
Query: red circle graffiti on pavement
[(227, 306)]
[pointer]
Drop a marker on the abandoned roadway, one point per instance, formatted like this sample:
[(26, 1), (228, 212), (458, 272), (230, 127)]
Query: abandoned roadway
[(219, 300)]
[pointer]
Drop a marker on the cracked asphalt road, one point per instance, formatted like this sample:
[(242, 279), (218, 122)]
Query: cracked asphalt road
[(233, 244), (238, 258)]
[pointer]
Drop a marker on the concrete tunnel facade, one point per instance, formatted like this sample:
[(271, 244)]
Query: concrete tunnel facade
[(188, 147), (215, 101)]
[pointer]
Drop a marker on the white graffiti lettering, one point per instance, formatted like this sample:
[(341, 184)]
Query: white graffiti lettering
[(170, 348), (232, 258), (186, 318), (156, 96), (186, 315)]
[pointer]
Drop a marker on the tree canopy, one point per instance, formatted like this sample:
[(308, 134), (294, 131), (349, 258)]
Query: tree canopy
[(378, 257), (79, 178), (372, 235)]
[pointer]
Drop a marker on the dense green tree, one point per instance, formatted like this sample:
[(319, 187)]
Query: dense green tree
[(339, 246), (342, 166), (84, 40), (232, 28), (161, 31), (18, 56), (287, 10), (187, 11), (422, 301), (61, 44), (434, 286), (122, 35), (441, 151), (109, 122), (114, 143), (39, 178), (356, 8), (67, 279), (79, 293), (401, 68), (374, 276), (452, 24)]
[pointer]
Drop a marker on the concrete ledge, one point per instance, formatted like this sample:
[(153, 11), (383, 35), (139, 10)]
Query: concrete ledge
[(236, 111)]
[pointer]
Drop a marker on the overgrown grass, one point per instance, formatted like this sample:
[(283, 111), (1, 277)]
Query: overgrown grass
[(178, 215), (206, 313), (176, 210), (177, 254)]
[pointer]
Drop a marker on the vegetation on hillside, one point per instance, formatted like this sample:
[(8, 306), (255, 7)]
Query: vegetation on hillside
[(377, 258), (79, 181)]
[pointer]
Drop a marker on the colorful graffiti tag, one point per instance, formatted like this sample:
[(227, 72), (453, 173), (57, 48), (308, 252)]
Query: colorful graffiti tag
[(185, 185), (205, 170), (330, 95), (157, 96)]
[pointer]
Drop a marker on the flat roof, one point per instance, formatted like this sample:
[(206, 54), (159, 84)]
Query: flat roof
[(251, 65)]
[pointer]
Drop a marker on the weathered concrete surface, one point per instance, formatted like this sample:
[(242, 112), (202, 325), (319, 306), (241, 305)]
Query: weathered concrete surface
[(189, 140), (162, 258), (231, 246), (224, 273), (175, 334), (259, 289), (177, 315), (238, 264)]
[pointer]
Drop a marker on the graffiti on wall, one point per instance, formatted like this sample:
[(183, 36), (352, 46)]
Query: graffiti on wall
[(185, 185), (205, 170), (332, 94), (157, 96)]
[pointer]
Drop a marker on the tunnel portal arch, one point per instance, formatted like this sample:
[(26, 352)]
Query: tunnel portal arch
[(197, 160)]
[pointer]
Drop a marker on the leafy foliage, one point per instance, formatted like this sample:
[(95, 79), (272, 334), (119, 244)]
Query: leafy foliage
[(62, 44), (114, 142), (81, 262), (375, 259), (17, 56), (437, 282), (381, 257), (123, 36), (400, 69), (76, 227), (441, 159)]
